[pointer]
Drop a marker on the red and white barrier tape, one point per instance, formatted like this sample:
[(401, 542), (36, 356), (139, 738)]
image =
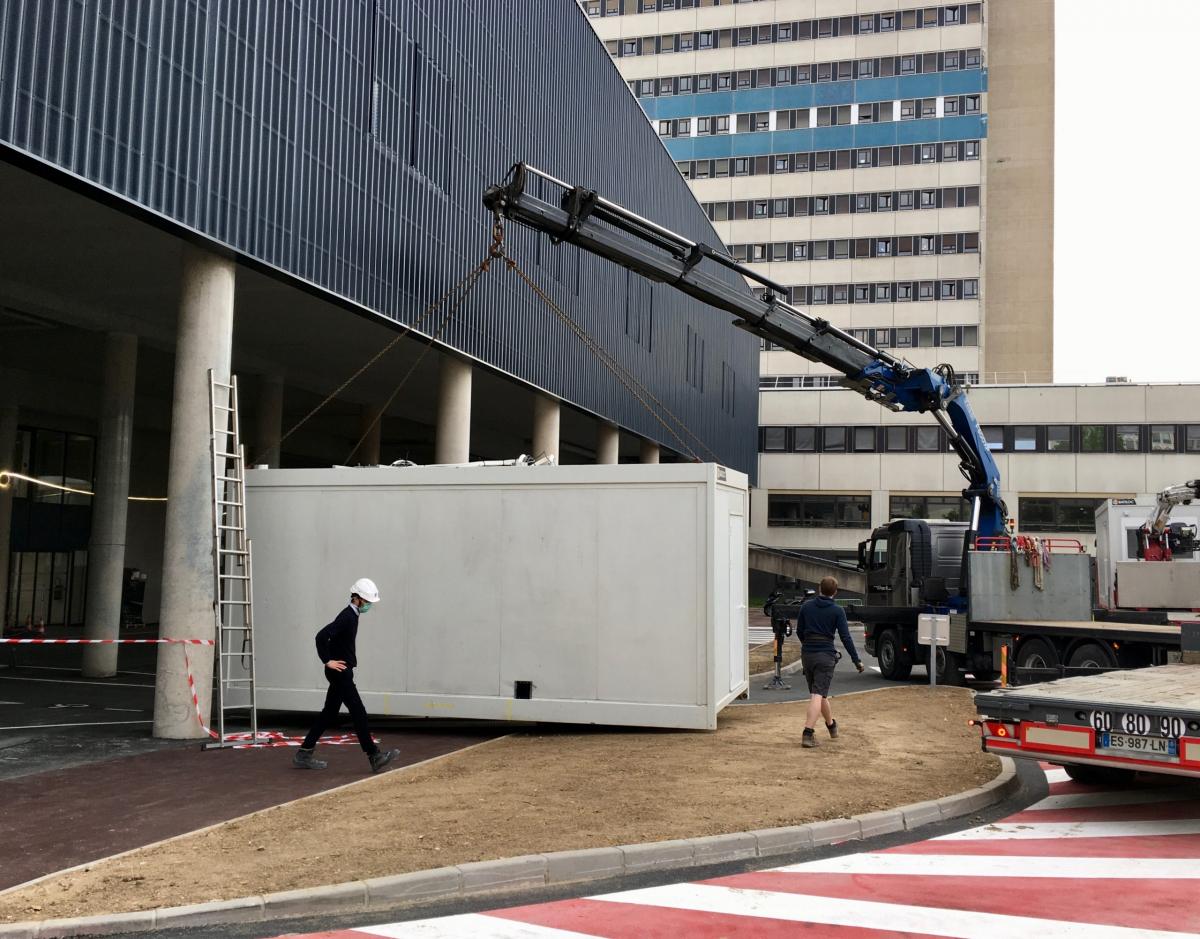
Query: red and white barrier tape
[(266, 738), (105, 642)]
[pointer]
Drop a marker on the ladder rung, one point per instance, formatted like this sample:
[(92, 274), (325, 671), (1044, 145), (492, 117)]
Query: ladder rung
[(231, 528), (229, 502), (233, 576), (220, 384), (235, 602), (231, 479), (231, 551)]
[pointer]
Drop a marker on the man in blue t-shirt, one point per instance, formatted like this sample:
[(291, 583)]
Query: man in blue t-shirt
[(819, 621)]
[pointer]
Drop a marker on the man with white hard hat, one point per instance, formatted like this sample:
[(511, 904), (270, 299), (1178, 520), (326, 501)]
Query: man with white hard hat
[(335, 646)]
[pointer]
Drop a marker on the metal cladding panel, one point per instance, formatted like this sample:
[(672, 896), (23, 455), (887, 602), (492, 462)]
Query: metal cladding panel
[(348, 143)]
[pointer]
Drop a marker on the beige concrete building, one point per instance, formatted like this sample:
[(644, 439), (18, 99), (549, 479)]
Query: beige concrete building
[(834, 465)]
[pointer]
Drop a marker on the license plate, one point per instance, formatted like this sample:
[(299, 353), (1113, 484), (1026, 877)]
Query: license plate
[(1141, 746)]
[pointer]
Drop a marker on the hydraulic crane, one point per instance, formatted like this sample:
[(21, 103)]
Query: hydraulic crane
[(588, 220), (1158, 540)]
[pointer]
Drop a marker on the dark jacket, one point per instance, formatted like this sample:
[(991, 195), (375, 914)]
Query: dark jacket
[(336, 641), (819, 620)]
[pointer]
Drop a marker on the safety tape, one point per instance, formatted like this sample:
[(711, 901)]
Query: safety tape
[(106, 642), (265, 738)]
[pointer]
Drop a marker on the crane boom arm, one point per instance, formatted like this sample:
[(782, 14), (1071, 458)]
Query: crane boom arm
[(594, 224), (1168, 499)]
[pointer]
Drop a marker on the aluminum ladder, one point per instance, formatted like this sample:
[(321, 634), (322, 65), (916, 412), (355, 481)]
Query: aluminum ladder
[(233, 591)]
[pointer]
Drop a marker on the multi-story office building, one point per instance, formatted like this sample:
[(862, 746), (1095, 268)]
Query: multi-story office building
[(891, 164)]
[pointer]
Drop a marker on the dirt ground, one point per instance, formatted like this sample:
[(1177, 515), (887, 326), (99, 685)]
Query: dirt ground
[(762, 657), (554, 789)]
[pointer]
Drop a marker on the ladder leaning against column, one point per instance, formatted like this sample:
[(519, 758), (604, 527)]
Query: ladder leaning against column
[(233, 592)]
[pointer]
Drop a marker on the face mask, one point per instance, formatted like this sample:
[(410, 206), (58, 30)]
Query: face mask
[(364, 607)]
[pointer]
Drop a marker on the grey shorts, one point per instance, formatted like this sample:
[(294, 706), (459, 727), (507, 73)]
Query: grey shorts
[(818, 671)]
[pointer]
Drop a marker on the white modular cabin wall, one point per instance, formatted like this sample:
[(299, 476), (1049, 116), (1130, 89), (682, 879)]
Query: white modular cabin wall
[(592, 582)]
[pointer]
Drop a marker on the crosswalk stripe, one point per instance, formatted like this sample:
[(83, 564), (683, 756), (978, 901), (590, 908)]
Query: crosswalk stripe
[(866, 913), (1133, 847), (1005, 831), (943, 865), (1087, 800), (1164, 810), (1152, 904)]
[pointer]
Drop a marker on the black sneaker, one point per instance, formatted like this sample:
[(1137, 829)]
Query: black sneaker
[(832, 728), (807, 739), (381, 758), (304, 759)]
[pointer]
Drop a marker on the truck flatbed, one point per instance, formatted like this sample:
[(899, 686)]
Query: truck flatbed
[(1145, 719), (1099, 629)]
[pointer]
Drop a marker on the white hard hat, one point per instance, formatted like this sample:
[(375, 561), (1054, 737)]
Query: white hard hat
[(366, 589)]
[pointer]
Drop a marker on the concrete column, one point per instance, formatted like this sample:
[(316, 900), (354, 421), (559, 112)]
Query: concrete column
[(110, 505), (649, 452), (370, 431), (545, 426), (608, 443), (454, 411), (268, 425), (8, 446), (204, 340)]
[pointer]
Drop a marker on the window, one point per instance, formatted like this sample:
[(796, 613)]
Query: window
[(883, 293), (905, 198), (950, 508), (866, 68), (818, 511), (864, 439), (883, 202), (946, 290), (800, 251), (741, 167), (929, 198), (925, 290), (782, 164), (820, 205), (685, 127), (686, 42), (705, 40), (929, 153), (774, 439), (1093, 438), (783, 32), (685, 85), (908, 64), (1192, 438), (971, 150), (1069, 515), (929, 440), (804, 439), (666, 86), (664, 128), (783, 76), (927, 244), (833, 439), (928, 107), (862, 158), (950, 61), (952, 16), (1127, 438), (862, 293), (1058, 438), (721, 124), (904, 292), (866, 24), (908, 110), (972, 58), (950, 107), (1162, 438), (971, 104), (629, 47), (883, 247), (703, 125), (862, 202), (896, 439), (1024, 438), (820, 294), (970, 288), (887, 22)]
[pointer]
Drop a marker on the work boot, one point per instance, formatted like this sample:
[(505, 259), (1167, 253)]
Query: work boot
[(304, 759), (832, 728), (381, 758), (807, 739)]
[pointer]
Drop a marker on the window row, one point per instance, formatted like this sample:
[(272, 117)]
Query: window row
[(786, 75), (626, 7), (833, 116), (795, 382), (900, 337), (791, 31), (900, 246), (821, 160), (1019, 438), (902, 200), (904, 291), (836, 510)]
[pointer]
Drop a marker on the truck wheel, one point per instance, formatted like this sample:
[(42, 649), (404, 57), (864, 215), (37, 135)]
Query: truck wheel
[(1092, 656), (949, 667), (1036, 655), (1099, 775), (894, 663)]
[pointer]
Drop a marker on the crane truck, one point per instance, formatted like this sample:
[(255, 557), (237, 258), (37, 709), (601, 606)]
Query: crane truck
[(967, 574)]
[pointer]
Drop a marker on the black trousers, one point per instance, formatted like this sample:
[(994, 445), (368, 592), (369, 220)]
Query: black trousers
[(341, 691)]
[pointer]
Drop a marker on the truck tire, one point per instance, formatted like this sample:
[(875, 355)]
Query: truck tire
[(1035, 654), (1099, 775), (894, 663), (949, 667), (1093, 656)]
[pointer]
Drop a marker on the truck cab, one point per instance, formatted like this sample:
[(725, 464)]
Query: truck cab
[(913, 562)]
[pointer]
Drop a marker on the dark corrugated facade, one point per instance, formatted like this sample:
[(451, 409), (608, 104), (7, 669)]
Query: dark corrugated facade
[(348, 142)]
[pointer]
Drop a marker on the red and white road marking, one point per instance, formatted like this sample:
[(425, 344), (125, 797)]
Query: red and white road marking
[(1084, 862)]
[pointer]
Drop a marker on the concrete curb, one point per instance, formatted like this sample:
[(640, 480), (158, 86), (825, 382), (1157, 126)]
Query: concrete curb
[(536, 870)]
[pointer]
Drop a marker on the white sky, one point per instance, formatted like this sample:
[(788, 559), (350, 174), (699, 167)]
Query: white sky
[(1124, 74)]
